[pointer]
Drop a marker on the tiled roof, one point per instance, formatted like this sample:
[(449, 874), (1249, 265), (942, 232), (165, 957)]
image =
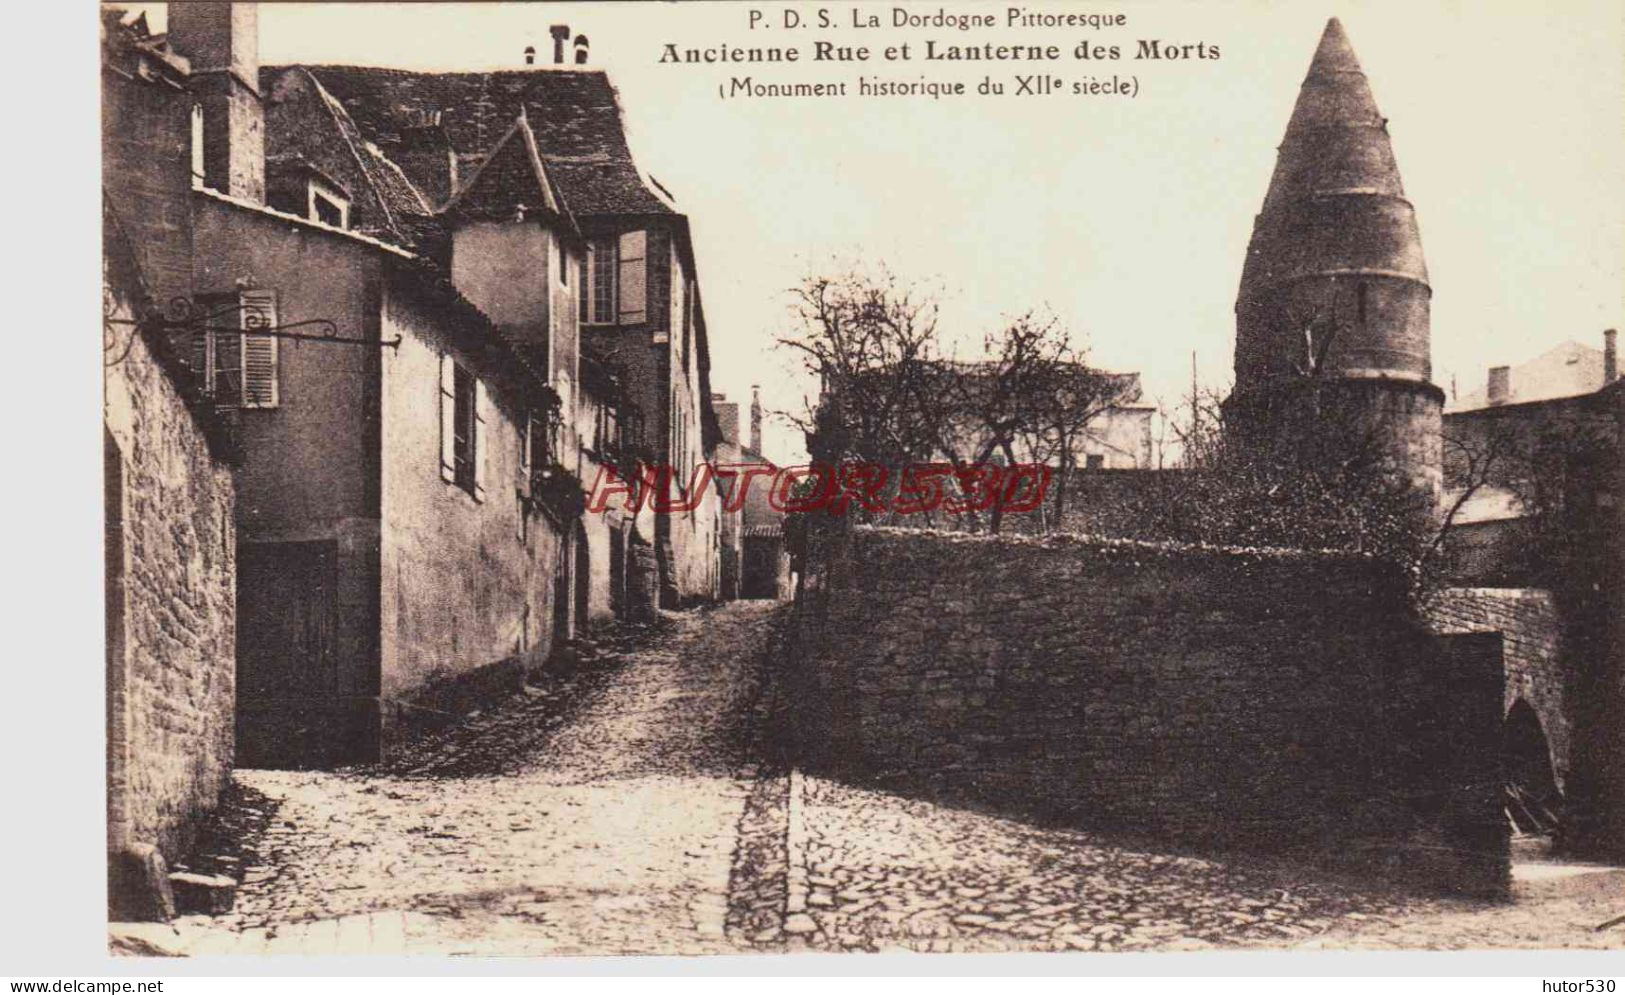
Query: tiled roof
[(1566, 370), (574, 112), (512, 176), (402, 216)]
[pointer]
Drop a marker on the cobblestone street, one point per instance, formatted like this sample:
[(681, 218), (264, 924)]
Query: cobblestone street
[(628, 809), (545, 826)]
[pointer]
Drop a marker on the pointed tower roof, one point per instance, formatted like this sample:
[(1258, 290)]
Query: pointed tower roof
[(1336, 213), (1335, 203)]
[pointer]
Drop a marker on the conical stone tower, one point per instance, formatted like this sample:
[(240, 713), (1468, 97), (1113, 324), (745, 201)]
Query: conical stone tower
[(1332, 342)]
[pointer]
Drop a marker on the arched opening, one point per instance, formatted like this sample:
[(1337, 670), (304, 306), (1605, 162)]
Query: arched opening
[(1534, 803), (583, 579)]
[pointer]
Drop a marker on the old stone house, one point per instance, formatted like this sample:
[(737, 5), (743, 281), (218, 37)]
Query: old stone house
[(637, 289), (1531, 469), (170, 502), (397, 349)]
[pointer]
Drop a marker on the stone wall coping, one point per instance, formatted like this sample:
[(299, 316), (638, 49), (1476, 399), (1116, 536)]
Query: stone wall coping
[(1109, 545)]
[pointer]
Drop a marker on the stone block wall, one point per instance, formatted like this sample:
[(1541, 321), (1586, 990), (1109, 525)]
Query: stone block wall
[(171, 607), (1275, 700), (1527, 619)]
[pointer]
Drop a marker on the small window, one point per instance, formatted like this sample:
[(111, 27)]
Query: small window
[(328, 208), (1094, 461), (463, 429), (598, 290), (197, 145), (564, 263)]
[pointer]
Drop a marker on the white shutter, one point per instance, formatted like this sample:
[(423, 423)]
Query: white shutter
[(477, 427), (259, 353), (448, 419), (633, 267), (526, 427)]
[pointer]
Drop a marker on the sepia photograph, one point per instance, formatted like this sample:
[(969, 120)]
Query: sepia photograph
[(1076, 482)]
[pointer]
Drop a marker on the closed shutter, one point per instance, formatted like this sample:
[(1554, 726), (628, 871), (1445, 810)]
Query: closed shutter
[(448, 420), (259, 352), (526, 430), (479, 444), (634, 298)]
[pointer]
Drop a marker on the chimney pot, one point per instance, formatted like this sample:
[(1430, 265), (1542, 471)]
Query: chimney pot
[(561, 33), (756, 419), (1610, 356), (530, 55), (581, 50), (1500, 385)]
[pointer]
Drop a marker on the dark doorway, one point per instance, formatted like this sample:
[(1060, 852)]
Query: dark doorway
[(583, 579), (617, 573), (561, 598), (1534, 802), (288, 689)]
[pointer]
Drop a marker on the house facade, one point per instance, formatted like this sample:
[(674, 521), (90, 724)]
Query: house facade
[(637, 290)]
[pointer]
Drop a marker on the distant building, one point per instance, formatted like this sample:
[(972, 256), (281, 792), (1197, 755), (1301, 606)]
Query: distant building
[(1119, 437), (1569, 369), (756, 556)]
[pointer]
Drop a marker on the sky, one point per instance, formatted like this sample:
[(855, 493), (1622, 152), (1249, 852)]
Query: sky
[(1128, 218)]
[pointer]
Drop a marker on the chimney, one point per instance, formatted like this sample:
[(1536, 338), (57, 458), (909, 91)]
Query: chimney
[(756, 419), (581, 50), (561, 34), (1500, 385), (1610, 356), (530, 55), (222, 42)]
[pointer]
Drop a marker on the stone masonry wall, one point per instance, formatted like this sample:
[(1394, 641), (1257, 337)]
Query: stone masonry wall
[(1527, 619), (1235, 698), (172, 612)]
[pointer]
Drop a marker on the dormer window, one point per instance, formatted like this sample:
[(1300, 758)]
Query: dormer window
[(328, 206), (197, 145)]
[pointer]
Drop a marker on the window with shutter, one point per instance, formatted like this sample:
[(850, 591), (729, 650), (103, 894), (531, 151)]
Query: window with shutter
[(460, 428), (238, 369), (633, 277)]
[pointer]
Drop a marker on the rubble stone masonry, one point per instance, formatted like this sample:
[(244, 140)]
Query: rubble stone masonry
[(171, 610), (1241, 698)]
